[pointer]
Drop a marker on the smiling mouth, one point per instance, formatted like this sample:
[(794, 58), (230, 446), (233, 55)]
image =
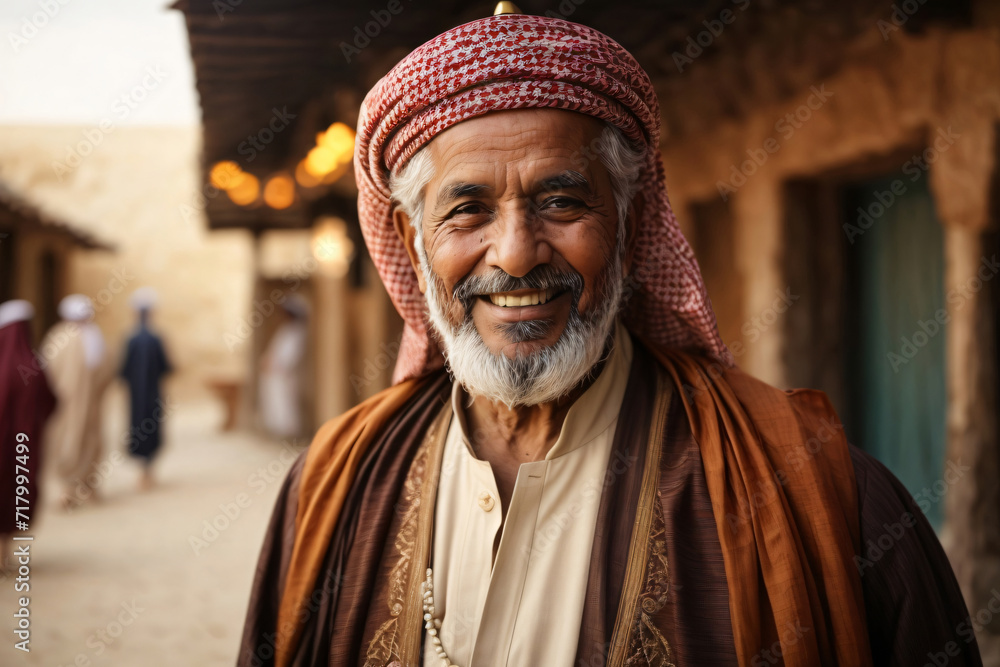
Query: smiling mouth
[(522, 298)]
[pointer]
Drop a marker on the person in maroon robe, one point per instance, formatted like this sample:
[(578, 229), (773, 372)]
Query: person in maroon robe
[(26, 401)]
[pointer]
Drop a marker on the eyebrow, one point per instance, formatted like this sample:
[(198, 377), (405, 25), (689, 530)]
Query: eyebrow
[(565, 180), (450, 193), (561, 181)]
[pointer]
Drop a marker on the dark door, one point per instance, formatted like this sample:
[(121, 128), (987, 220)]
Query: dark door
[(896, 329)]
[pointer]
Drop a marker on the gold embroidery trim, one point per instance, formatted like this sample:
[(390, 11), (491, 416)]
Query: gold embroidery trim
[(633, 615), (399, 637)]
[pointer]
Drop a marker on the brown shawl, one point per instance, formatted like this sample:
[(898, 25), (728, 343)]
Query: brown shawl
[(786, 517)]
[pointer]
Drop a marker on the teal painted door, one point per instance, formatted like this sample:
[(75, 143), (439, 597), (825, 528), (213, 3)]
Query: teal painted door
[(896, 330)]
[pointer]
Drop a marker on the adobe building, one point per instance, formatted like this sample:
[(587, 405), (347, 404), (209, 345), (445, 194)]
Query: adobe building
[(35, 255), (833, 164), (130, 192)]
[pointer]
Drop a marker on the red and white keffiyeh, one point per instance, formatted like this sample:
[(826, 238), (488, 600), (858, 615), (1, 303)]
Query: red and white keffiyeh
[(518, 61)]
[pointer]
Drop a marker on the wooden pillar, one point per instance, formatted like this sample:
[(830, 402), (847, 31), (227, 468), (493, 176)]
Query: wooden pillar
[(333, 390), (758, 230), (972, 510), (972, 282), (247, 414)]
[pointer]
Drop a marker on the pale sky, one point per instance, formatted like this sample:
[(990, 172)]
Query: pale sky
[(124, 61)]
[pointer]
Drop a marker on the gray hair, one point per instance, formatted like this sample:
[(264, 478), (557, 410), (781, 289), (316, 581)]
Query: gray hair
[(623, 162)]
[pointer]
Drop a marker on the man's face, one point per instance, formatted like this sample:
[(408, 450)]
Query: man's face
[(511, 197)]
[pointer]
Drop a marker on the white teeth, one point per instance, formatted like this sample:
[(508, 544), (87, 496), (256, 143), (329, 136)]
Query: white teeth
[(510, 300)]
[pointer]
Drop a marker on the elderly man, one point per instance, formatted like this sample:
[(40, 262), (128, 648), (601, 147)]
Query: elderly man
[(569, 470)]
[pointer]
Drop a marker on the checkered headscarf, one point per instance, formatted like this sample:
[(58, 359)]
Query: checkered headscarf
[(518, 61)]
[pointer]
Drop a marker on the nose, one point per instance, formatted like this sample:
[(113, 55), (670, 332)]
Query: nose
[(518, 245)]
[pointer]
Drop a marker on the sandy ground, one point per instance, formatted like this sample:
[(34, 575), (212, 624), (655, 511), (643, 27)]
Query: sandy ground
[(126, 581)]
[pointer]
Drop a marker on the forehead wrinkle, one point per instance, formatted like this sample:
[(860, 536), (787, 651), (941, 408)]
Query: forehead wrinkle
[(488, 164), (523, 170)]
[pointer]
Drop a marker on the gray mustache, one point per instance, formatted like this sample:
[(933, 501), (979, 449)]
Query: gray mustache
[(539, 278)]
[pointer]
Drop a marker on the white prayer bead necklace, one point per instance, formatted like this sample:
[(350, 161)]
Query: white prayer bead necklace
[(433, 625)]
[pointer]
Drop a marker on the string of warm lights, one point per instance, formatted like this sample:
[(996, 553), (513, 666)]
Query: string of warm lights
[(324, 164)]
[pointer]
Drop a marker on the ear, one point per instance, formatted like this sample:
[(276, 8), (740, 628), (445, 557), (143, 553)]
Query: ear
[(401, 221), (632, 219)]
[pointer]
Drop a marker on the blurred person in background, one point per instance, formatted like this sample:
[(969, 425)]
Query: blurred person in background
[(280, 397), (144, 365), (76, 363), (26, 401)]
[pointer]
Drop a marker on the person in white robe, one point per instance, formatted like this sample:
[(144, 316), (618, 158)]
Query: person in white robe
[(75, 359), (280, 390)]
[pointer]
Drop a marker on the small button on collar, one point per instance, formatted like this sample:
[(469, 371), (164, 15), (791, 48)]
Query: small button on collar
[(486, 501)]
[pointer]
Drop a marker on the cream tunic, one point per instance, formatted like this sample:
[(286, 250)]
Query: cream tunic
[(526, 608)]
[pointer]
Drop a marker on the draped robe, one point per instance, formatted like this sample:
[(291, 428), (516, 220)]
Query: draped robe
[(683, 570), (26, 401), (74, 431), (145, 364)]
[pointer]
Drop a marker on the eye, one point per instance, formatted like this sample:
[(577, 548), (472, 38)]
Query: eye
[(469, 208), (561, 203), (562, 208)]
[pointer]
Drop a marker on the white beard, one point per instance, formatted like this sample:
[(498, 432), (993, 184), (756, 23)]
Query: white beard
[(542, 376)]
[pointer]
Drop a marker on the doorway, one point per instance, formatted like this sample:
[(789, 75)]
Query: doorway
[(865, 250), (895, 328)]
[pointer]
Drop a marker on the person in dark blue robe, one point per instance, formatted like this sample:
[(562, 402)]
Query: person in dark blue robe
[(145, 364)]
